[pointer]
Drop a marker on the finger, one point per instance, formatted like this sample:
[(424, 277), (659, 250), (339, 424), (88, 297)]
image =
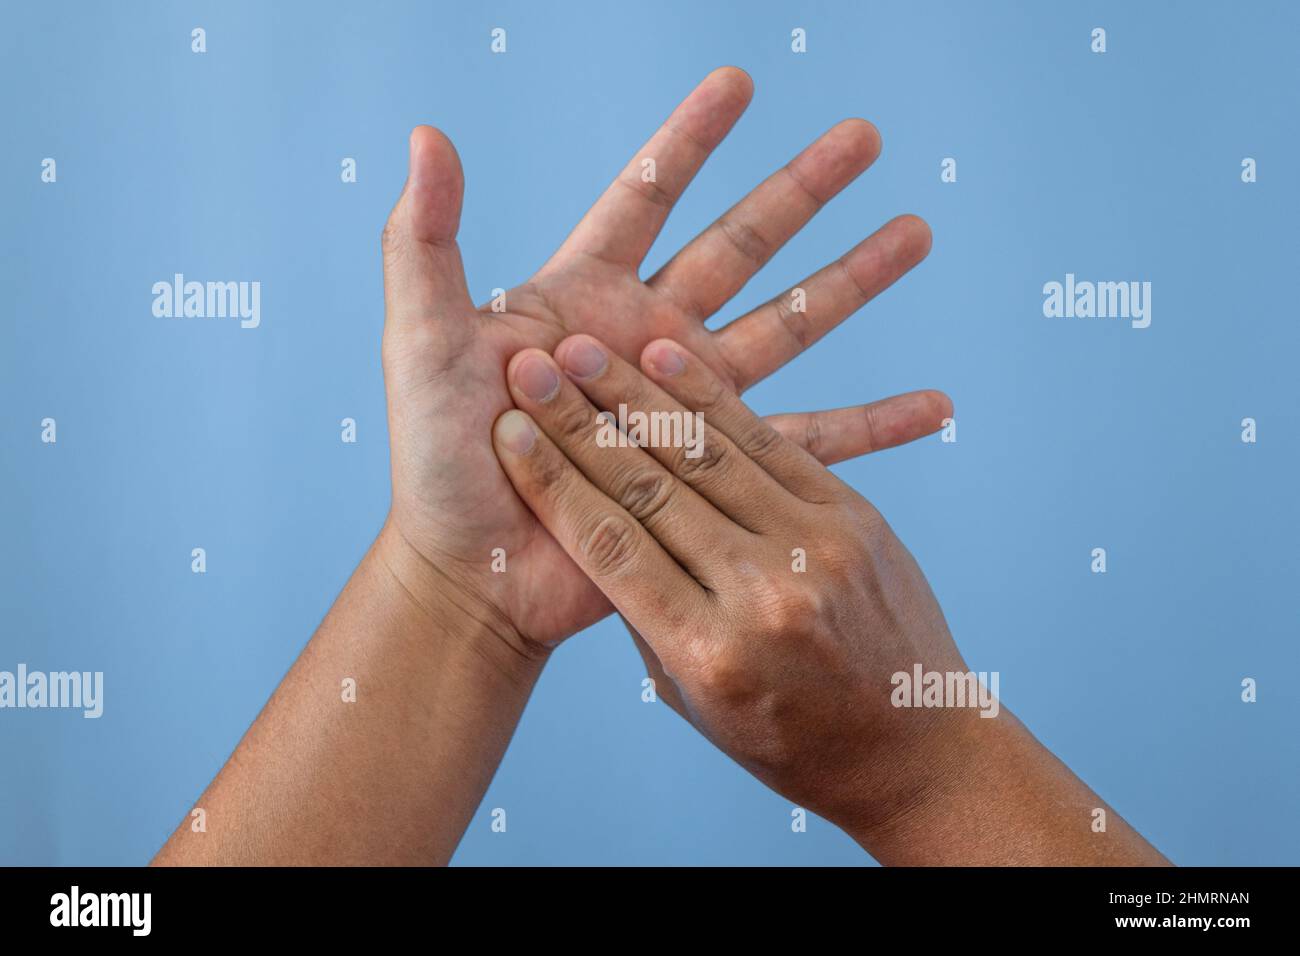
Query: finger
[(424, 278), (839, 434), (688, 380), (624, 222), (717, 263), (608, 544), (686, 525), (682, 441), (760, 342)]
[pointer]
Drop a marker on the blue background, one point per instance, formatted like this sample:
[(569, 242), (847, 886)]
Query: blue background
[(1072, 434)]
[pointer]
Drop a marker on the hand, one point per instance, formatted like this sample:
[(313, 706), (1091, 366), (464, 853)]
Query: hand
[(443, 358), (787, 671), (773, 606)]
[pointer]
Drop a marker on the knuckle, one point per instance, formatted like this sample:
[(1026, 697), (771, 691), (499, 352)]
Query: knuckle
[(760, 441), (798, 617), (574, 421), (836, 568), (723, 675), (713, 459), (813, 605), (651, 191), (851, 281), (646, 493), (796, 324), (714, 395), (552, 472), (785, 608), (746, 240), (610, 546), (760, 734), (871, 424), (813, 436)]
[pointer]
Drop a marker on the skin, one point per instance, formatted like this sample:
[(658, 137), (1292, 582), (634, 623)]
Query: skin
[(789, 672), (443, 650), (439, 349)]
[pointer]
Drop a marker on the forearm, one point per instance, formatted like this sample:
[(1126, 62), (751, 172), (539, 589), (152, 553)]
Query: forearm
[(988, 793), (391, 777)]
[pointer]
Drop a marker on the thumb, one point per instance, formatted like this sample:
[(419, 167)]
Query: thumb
[(424, 279)]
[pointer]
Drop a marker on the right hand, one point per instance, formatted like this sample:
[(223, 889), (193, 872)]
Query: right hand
[(788, 665), (787, 670)]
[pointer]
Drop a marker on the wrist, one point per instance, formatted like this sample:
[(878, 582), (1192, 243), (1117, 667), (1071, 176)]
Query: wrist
[(988, 793), (948, 781), (454, 608)]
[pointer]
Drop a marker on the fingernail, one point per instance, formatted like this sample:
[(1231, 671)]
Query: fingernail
[(584, 359), (536, 378), (666, 360), (516, 432)]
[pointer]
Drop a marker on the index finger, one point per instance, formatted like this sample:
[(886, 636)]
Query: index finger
[(611, 547)]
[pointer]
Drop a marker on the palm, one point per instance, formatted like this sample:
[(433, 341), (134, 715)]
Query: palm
[(444, 359)]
